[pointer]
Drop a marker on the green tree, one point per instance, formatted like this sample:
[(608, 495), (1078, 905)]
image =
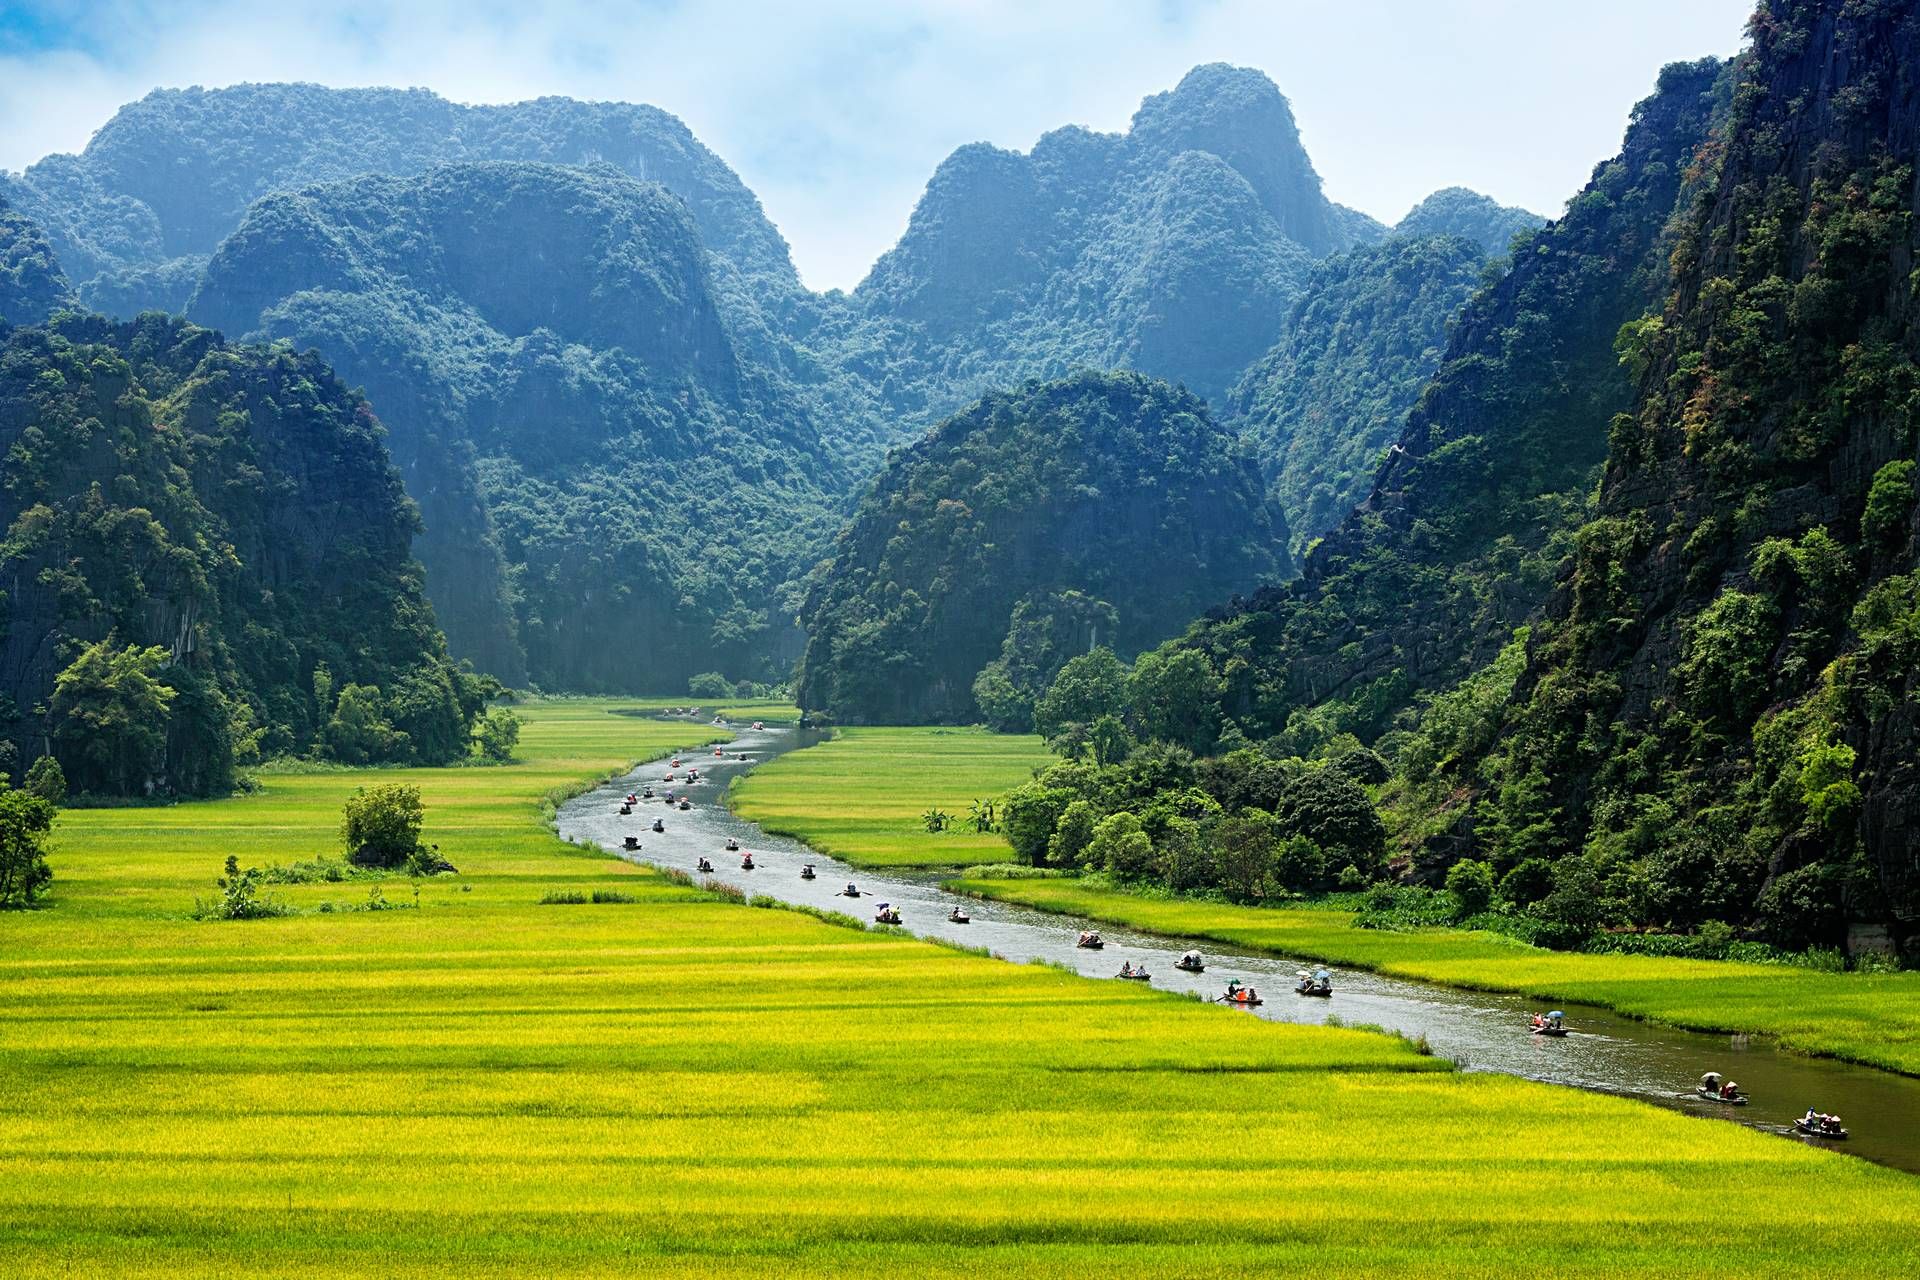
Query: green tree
[(110, 713), (710, 684), (46, 780), (1244, 845), (1088, 687), (1003, 705), (1889, 500), (1175, 697), (1028, 818), (496, 734), (25, 820), (1072, 834), (1121, 845), (381, 824), (1333, 811), (359, 732)]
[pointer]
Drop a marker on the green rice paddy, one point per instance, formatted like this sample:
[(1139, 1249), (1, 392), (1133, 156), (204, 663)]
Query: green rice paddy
[(860, 797), (683, 1086)]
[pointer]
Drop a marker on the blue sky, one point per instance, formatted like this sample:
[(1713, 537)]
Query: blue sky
[(836, 111)]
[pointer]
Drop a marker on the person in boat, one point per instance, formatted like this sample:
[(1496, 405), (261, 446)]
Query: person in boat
[(659, 825), (1710, 1082), (1729, 1091), (1233, 989)]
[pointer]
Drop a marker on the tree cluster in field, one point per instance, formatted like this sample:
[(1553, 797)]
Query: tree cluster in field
[(208, 552)]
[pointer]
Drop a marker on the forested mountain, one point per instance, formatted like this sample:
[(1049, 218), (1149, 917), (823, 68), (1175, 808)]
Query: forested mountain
[(1720, 707), (170, 176), (1103, 507), (1175, 249), (547, 349), (32, 286), (1474, 507), (207, 560), (1456, 211)]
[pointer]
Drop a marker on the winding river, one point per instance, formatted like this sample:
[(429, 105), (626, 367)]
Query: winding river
[(1479, 1031)]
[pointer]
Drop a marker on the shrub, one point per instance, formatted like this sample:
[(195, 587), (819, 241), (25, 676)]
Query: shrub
[(1803, 908), (1889, 499), (381, 826), (1570, 914), (1528, 882), (1471, 884), (25, 820), (240, 897), (563, 898), (611, 895)]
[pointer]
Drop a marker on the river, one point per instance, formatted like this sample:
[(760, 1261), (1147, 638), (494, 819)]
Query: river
[(1479, 1031)]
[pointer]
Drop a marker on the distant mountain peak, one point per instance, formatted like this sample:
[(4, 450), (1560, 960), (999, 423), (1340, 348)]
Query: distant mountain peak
[(1463, 212)]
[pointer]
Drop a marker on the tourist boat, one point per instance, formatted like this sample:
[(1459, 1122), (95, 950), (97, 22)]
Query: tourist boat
[(850, 891), (685, 804), (957, 916), (625, 809), (647, 794), (1821, 1127), (758, 725), (1317, 983), (746, 863), (886, 915), (631, 842), (1091, 941), (1132, 974), (1191, 962), (733, 846), (675, 762), (1246, 997), (806, 872), (1737, 1099), (659, 825), (703, 866), (1554, 1024)]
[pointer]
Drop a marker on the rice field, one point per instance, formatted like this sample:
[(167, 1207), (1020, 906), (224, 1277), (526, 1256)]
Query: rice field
[(683, 1086), (860, 797), (1869, 1018)]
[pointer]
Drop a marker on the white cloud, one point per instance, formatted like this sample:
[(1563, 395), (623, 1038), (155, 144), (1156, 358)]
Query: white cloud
[(836, 111)]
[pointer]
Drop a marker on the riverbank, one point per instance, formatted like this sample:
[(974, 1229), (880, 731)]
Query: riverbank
[(862, 796), (1872, 1019), (671, 1084)]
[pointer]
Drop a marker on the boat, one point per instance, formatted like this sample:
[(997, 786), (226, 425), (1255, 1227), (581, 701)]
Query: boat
[(957, 916), (676, 762), (1318, 983), (659, 825), (1735, 1099), (758, 725), (631, 842), (1821, 1126), (647, 794), (886, 915), (806, 872), (625, 809), (1246, 997), (1091, 941), (746, 863), (1191, 962), (685, 804), (1132, 974), (733, 846), (703, 865), (1554, 1024), (850, 891)]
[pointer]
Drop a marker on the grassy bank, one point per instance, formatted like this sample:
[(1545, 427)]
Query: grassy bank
[(860, 797), (681, 1086), (1870, 1018)]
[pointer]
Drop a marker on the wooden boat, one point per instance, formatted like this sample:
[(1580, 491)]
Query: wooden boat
[(1820, 1129), (733, 846), (1191, 963), (685, 805), (625, 809), (849, 892), (703, 865), (886, 915), (746, 863), (1091, 941), (1133, 975), (631, 842), (647, 794), (659, 825), (1246, 997), (957, 916), (806, 872), (1318, 983), (1714, 1095)]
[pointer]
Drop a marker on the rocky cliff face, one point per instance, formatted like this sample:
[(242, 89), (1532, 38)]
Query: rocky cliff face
[(1174, 249), (173, 174), (1467, 518), (1739, 618), (1112, 486)]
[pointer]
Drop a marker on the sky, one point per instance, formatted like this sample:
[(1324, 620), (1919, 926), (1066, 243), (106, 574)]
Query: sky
[(835, 112)]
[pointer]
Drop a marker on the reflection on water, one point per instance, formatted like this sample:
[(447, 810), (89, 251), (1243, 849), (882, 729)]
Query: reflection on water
[(1481, 1032)]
